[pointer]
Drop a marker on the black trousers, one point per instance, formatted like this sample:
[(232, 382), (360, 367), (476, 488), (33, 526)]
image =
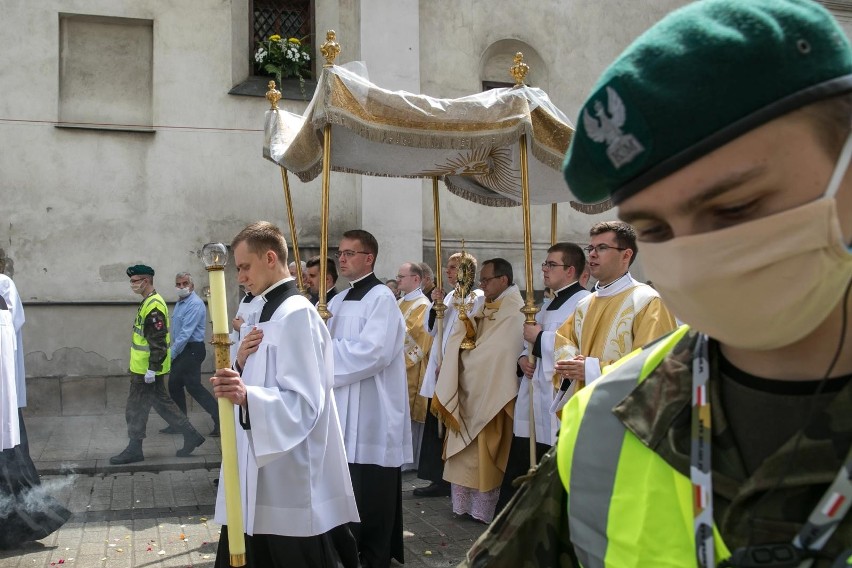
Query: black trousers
[(140, 400), (378, 494), (186, 374), (431, 465), (334, 549), (518, 465), (27, 512)]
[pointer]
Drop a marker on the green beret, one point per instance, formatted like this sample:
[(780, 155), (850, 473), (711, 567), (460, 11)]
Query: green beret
[(140, 270), (701, 77)]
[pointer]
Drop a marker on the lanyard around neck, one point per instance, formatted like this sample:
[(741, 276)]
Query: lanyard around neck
[(822, 521)]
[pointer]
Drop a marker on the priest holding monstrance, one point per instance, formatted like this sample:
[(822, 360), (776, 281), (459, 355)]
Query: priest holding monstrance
[(298, 497)]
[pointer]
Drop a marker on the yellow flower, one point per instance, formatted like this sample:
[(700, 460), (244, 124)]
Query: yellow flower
[(294, 40), (275, 37)]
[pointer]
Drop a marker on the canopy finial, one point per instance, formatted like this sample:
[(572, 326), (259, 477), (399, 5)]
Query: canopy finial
[(519, 69), (273, 95), (330, 49)]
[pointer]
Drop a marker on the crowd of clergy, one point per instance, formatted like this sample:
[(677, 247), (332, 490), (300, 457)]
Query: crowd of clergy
[(326, 413)]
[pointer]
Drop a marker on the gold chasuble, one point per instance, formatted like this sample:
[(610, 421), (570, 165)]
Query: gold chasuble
[(417, 345), (607, 327), (476, 391)]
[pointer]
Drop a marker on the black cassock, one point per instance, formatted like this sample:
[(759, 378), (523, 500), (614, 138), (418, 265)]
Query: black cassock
[(26, 511)]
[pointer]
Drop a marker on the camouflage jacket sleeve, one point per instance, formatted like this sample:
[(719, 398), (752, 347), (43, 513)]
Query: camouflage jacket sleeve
[(532, 530), (156, 329)]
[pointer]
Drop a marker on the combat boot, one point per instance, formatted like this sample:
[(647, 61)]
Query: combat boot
[(191, 440), (131, 454)]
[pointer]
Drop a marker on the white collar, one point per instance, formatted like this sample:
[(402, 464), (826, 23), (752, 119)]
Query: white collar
[(413, 295), (616, 286), (506, 291), (276, 285), (353, 282), (556, 293)]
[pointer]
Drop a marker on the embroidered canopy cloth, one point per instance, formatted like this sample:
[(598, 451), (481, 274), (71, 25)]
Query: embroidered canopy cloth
[(471, 143)]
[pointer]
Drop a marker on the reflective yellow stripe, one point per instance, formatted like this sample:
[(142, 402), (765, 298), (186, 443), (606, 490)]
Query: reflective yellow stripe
[(139, 348), (627, 506)]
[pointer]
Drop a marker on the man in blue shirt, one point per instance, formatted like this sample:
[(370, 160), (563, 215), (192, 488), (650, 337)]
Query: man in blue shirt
[(189, 320)]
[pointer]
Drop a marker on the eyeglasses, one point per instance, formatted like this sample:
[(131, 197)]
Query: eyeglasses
[(549, 265), (349, 253), (401, 276), (600, 248), (485, 281)]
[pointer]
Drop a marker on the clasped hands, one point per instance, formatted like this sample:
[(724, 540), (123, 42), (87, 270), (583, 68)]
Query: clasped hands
[(574, 369)]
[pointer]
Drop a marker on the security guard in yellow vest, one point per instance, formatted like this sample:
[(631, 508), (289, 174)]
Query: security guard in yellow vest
[(724, 135), (149, 366)]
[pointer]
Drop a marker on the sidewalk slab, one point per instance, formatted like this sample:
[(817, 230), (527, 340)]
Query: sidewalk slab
[(84, 444)]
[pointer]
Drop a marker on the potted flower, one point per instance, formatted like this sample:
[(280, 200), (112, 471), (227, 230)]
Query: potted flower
[(284, 58)]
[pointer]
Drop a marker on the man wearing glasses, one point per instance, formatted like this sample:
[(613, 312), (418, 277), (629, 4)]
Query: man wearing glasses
[(562, 270), (368, 335), (476, 392), (621, 315), (414, 307)]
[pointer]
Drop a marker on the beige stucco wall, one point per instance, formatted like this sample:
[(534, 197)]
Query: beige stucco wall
[(77, 206)]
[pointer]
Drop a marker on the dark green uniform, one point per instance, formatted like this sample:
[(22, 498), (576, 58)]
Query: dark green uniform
[(155, 329)]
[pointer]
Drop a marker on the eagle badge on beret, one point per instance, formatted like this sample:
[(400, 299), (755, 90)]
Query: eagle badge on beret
[(606, 126)]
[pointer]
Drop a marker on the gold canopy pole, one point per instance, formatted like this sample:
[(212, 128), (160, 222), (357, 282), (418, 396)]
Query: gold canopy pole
[(553, 224), (330, 50), (294, 239), (519, 71), (273, 95), (440, 307), (215, 255)]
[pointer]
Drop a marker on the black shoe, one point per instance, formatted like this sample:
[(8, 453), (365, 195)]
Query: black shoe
[(129, 455), (190, 442), (169, 430), (214, 433), (433, 490)]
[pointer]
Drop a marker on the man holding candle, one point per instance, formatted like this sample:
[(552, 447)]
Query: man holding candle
[(371, 389), (298, 497)]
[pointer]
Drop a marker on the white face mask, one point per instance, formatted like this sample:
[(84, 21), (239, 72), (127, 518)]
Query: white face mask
[(137, 287), (182, 292), (763, 284)]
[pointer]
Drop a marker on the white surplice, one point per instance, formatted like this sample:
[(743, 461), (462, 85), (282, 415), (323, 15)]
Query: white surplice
[(10, 434), (546, 422), (249, 312), (451, 318), (293, 471), (371, 384), (13, 301)]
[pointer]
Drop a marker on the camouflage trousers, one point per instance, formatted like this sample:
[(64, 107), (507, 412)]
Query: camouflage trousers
[(140, 400)]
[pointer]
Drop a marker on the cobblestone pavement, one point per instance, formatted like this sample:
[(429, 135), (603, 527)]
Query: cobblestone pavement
[(165, 519)]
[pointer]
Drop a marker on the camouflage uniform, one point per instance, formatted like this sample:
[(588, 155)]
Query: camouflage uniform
[(142, 396), (533, 530)]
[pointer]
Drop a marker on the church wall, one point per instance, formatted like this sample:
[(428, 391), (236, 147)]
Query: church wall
[(77, 205)]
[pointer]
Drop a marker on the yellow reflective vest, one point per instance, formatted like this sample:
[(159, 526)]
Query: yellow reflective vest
[(627, 507), (140, 351)]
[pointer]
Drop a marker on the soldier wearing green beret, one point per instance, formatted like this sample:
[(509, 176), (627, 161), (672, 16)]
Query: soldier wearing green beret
[(723, 136), (149, 366)]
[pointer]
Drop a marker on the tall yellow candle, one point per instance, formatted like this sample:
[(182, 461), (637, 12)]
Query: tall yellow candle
[(215, 256)]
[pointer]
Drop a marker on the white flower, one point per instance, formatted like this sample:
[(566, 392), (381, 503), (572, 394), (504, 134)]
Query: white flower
[(260, 55), (306, 56)]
